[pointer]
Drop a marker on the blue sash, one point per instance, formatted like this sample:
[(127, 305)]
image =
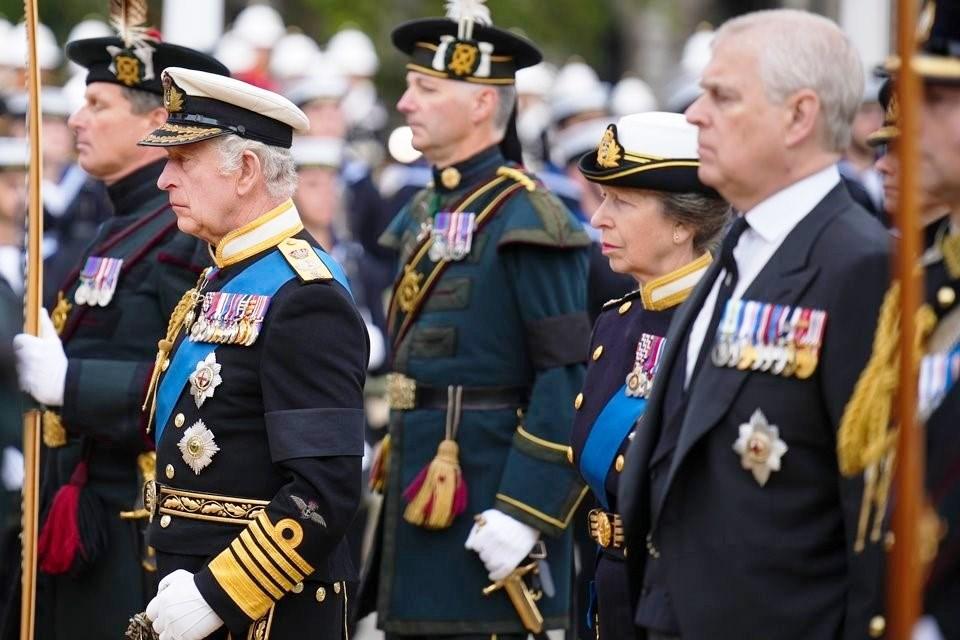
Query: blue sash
[(611, 427), (264, 277)]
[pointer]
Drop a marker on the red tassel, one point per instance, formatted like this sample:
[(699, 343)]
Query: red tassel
[(59, 540), (438, 494)]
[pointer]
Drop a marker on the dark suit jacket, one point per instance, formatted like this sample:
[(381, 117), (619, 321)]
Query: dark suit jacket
[(744, 561)]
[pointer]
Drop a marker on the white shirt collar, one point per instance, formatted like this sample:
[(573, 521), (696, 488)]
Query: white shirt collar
[(776, 216)]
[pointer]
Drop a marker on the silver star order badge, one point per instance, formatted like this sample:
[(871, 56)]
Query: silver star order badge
[(760, 447), (205, 379), (198, 446)]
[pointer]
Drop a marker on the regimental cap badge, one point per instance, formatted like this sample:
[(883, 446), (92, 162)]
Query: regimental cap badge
[(172, 97), (609, 152)]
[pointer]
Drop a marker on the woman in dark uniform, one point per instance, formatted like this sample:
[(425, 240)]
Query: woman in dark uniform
[(658, 223)]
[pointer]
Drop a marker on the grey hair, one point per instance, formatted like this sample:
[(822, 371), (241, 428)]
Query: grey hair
[(506, 101), (141, 102), (801, 50), (706, 215), (276, 163)]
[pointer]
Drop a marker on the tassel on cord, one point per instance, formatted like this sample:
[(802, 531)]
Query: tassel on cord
[(438, 494), (381, 466), (865, 442), (73, 534)]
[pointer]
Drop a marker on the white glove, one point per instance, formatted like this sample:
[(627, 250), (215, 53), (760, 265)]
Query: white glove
[(179, 612), (927, 628), (42, 364), (502, 542)]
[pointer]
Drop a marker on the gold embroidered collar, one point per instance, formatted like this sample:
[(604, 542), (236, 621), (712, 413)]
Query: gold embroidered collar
[(672, 289), (265, 232)]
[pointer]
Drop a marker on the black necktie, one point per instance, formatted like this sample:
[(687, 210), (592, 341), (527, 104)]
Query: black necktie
[(727, 285)]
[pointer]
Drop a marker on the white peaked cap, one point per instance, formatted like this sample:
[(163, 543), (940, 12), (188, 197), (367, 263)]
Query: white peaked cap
[(293, 56), (316, 151), (260, 25), (353, 51), (658, 134), (235, 53), (90, 28), (14, 153), (577, 89), (632, 95), (201, 84), (536, 80), (13, 49)]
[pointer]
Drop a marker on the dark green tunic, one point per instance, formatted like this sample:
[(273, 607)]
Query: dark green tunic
[(511, 314)]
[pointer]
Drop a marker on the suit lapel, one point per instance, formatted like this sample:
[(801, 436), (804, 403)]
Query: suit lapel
[(783, 280), (640, 450)]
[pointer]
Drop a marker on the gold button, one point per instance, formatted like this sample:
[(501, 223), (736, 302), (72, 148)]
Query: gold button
[(169, 472), (578, 401), (624, 307), (178, 420), (878, 625), (165, 522), (619, 464), (598, 352), (321, 594), (298, 588), (946, 296), (165, 365), (336, 587), (570, 455)]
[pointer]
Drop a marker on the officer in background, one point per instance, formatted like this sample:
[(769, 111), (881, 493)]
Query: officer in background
[(938, 319), (14, 157), (732, 483), (91, 364), (257, 393), (488, 329)]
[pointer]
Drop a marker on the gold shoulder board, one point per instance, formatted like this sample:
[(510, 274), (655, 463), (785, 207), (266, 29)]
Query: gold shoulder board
[(304, 260)]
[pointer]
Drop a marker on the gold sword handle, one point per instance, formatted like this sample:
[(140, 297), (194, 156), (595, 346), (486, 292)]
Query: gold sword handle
[(521, 597)]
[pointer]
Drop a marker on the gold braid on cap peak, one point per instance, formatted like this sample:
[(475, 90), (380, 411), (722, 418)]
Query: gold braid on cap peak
[(865, 443)]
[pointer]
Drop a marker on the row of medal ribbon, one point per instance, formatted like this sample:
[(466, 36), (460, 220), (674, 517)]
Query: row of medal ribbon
[(98, 281), (230, 318), (938, 373), (778, 339), (452, 234), (639, 381)]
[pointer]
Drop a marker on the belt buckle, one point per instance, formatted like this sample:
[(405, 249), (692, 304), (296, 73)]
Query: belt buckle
[(601, 529), (401, 392), (150, 498)]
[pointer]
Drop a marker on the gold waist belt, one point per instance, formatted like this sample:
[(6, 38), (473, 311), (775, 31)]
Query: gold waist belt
[(167, 501), (606, 529)]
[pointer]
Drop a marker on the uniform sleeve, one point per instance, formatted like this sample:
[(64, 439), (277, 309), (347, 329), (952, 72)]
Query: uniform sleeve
[(312, 375), (103, 398), (538, 485), (848, 341)]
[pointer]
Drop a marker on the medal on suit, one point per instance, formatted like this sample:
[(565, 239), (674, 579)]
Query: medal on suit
[(205, 379), (452, 234), (639, 381), (760, 447)]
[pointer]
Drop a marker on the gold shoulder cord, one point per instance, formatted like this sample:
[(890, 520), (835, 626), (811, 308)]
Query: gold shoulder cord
[(865, 444), (179, 317)]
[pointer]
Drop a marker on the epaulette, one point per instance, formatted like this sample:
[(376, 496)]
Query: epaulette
[(304, 260), (618, 302), (518, 176), (546, 222)]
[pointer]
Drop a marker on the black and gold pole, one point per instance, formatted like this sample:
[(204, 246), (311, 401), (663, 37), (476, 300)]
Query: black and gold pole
[(32, 310)]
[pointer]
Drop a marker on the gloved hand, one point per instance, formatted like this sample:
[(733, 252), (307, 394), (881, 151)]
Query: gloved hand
[(179, 612), (42, 364), (502, 542)]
